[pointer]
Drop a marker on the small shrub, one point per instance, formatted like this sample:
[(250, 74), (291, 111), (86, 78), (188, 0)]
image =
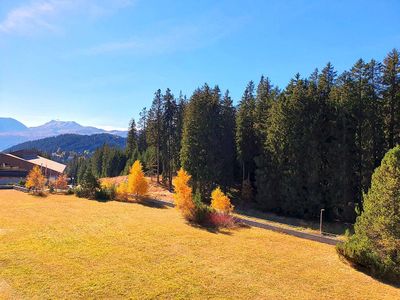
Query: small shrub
[(96, 194), (104, 194), (79, 192), (70, 191), (220, 202), (221, 220), (201, 210)]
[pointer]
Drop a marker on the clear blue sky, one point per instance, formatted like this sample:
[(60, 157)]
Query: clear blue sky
[(99, 62)]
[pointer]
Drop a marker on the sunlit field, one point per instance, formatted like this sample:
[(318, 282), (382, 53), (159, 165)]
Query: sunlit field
[(66, 247)]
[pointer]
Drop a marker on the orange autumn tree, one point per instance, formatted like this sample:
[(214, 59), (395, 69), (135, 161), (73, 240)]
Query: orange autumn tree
[(35, 180), (61, 182), (220, 202), (137, 183), (183, 194)]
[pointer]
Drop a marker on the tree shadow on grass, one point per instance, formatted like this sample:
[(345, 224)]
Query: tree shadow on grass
[(219, 230), (210, 229), (148, 202), (39, 195), (153, 203), (101, 200)]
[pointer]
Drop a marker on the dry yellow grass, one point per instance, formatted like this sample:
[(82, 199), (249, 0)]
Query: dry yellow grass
[(156, 191), (64, 247)]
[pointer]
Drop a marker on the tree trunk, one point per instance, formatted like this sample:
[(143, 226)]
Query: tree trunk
[(243, 171), (391, 125), (158, 163)]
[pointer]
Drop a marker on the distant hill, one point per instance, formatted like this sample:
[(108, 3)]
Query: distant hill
[(72, 143), (11, 125), (13, 132)]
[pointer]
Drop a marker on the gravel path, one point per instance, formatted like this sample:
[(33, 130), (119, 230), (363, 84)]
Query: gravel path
[(300, 234)]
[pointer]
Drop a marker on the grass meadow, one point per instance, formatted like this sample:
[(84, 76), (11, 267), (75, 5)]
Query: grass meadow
[(65, 247)]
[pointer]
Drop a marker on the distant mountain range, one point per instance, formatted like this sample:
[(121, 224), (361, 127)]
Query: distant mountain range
[(13, 132), (72, 143), (11, 125)]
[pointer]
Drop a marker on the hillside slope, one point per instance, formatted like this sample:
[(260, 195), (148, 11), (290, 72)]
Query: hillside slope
[(72, 143), (13, 132)]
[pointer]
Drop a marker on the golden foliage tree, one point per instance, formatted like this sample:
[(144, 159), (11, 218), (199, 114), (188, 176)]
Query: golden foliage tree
[(35, 180), (107, 183), (61, 182), (220, 202), (122, 191), (137, 183), (183, 194)]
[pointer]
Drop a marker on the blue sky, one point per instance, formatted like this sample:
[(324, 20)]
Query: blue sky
[(98, 62)]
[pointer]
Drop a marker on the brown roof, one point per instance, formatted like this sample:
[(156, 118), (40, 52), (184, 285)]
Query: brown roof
[(47, 163), (40, 161)]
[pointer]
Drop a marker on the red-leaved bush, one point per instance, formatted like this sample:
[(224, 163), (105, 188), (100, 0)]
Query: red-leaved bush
[(220, 220)]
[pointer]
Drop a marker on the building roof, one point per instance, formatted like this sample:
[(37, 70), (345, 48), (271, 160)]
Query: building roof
[(47, 163), (33, 158)]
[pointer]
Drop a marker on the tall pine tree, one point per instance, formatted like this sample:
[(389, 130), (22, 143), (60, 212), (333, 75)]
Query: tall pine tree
[(246, 144), (154, 130), (391, 80)]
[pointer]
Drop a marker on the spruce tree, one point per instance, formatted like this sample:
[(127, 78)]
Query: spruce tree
[(132, 140), (84, 164), (142, 124), (201, 154), (280, 174), (391, 79), (89, 184), (323, 137), (375, 148), (179, 118), (344, 191), (376, 241), (96, 162), (154, 131), (227, 141), (167, 144), (245, 132), (263, 101)]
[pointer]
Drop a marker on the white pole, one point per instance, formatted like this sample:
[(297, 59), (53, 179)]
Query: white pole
[(320, 221)]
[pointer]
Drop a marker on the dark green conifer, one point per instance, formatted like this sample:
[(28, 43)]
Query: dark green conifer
[(376, 241)]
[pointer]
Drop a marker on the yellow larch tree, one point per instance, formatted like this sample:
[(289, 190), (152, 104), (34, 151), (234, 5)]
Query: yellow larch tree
[(183, 194), (61, 182), (220, 202), (35, 180), (122, 191), (137, 183)]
